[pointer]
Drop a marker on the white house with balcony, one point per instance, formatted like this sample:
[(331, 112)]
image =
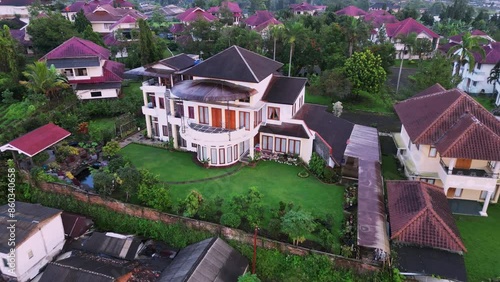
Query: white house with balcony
[(38, 237), (406, 27), (88, 68), (233, 104), (450, 140)]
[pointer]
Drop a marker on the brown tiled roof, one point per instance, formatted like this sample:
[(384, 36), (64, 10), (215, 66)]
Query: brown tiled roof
[(237, 64), (433, 89), (452, 121), (420, 214), (284, 90)]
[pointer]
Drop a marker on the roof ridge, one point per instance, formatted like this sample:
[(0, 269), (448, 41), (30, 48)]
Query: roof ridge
[(447, 228), (82, 269), (453, 126), (418, 215), (246, 63), (443, 113)]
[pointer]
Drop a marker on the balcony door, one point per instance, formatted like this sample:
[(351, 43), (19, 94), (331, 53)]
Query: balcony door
[(463, 163), (451, 192), (230, 119), (216, 117)]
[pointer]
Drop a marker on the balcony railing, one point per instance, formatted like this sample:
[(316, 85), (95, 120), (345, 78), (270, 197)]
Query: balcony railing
[(209, 134), (473, 172)]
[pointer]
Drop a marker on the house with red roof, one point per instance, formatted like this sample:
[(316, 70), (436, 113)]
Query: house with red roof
[(88, 68), (450, 140), (305, 8), (404, 28), (233, 7), (90, 6), (352, 11), (423, 232), (12, 8), (194, 14), (262, 21)]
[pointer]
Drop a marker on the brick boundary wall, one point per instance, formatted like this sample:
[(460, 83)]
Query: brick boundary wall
[(213, 228)]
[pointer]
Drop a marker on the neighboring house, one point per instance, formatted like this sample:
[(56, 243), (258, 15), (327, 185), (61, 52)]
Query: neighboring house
[(12, 8), (171, 11), (262, 21), (112, 245), (233, 7), (449, 139), (194, 14), (405, 28), (21, 36), (39, 237), (352, 11), (88, 68), (233, 103), (90, 6), (423, 231), (209, 260), (382, 6), (305, 8), (378, 18)]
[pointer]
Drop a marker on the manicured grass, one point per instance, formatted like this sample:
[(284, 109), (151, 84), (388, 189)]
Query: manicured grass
[(277, 182), (102, 124), (487, 101), (480, 236), (375, 103), (318, 99), (390, 168)]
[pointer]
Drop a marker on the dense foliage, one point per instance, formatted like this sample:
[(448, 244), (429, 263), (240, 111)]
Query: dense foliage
[(364, 70)]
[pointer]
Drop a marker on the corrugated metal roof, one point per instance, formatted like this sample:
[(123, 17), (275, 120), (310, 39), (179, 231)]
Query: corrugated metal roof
[(363, 143), (372, 223)]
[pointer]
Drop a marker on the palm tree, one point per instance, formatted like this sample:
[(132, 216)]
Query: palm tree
[(294, 31), (494, 76), (409, 41), (354, 31), (464, 52), (276, 33), (44, 80)]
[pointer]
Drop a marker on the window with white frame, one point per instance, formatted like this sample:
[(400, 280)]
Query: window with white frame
[(96, 94), (107, 26), (68, 72), (229, 154), (222, 156), (294, 147), (213, 156), (428, 180), (245, 120), (203, 113), (257, 117), (458, 192), (267, 143), (235, 154), (432, 152), (81, 72), (280, 145), (273, 113), (165, 130)]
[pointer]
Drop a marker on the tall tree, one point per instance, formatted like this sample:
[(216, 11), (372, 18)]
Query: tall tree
[(50, 31), (365, 72), (355, 31), (95, 37), (9, 56), (494, 76), (464, 51), (81, 22), (44, 80), (408, 42), (387, 53), (436, 70), (148, 50), (427, 18), (407, 12)]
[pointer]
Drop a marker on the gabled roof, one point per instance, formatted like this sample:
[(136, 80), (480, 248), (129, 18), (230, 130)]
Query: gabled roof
[(37, 140), (335, 131), (112, 72), (29, 218), (452, 121), (259, 17), (352, 11), (209, 260), (265, 24), (420, 214), (77, 48), (232, 6), (172, 10), (475, 33), (127, 19), (20, 3), (408, 26), (492, 51), (286, 129), (90, 6), (112, 244), (304, 6), (177, 28), (284, 90), (193, 14), (379, 17), (237, 64)]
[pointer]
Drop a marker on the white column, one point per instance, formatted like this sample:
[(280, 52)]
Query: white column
[(148, 125), (485, 204), (496, 169), (145, 98), (446, 190), (174, 136), (452, 165), (251, 149)]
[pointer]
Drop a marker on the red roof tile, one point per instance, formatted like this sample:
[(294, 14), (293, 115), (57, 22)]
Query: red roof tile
[(304, 6), (420, 214), (408, 26), (89, 6), (112, 72), (265, 24), (492, 51), (177, 28), (193, 14), (452, 121), (76, 48), (352, 11), (259, 17), (379, 17), (124, 20), (39, 139), (232, 6)]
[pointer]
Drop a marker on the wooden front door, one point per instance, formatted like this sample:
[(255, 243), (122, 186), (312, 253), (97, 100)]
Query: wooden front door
[(216, 117), (463, 163), (230, 119), (451, 192)]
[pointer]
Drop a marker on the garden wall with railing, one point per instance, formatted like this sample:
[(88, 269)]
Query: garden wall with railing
[(215, 229)]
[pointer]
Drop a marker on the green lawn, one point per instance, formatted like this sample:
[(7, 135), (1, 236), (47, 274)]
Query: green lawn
[(277, 182), (390, 168), (374, 103), (480, 236), (102, 124), (487, 102), (318, 99)]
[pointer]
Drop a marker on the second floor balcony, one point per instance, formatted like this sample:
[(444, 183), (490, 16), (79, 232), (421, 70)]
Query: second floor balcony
[(467, 178), (206, 134)]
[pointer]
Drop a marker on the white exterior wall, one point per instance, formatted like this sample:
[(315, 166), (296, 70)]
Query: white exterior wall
[(125, 26), (101, 27), (106, 93), (11, 11), (400, 47), (305, 144), (479, 77), (91, 72), (44, 244)]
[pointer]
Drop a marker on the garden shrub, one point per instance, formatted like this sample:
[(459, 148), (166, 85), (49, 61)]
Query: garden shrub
[(317, 165), (330, 175), (230, 219), (210, 209), (116, 163), (192, 203), (40, 158)]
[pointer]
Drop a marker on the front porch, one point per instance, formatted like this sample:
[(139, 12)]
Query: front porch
[(465, 207)]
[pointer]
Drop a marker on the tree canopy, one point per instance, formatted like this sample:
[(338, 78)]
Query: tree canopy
[(364, 70), (50, 31)]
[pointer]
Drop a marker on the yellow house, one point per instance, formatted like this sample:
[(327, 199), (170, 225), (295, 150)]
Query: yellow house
[(450, 140)]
